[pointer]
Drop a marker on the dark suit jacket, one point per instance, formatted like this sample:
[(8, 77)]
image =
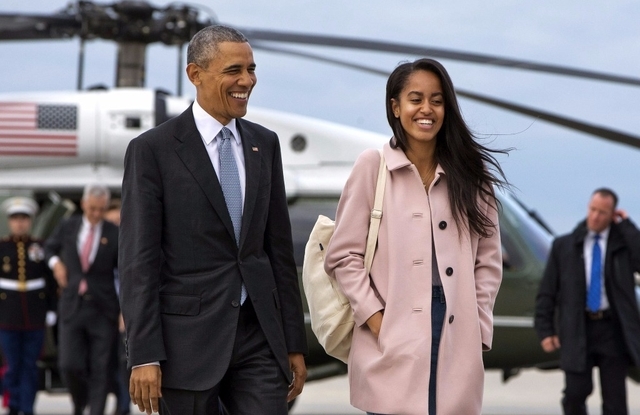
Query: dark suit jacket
[(25, 310), (100, 276), (563, 287), (180, 267)]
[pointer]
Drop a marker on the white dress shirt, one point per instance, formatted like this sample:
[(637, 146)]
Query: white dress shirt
[(589, 240), (209, 128)]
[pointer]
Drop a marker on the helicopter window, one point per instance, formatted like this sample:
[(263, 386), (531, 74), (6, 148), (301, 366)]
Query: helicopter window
[(298, 143), (133, 122), (512, 259), (303, 213), (534, 235)]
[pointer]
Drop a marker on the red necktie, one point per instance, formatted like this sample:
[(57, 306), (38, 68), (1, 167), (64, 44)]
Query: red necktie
[(84, 258), (86, 250)]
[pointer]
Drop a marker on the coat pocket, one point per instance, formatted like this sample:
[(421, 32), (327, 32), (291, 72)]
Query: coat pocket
[(182, 305)]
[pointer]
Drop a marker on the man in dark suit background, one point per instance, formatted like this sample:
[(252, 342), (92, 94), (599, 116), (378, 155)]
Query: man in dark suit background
[(83, 254), (589, 280), (209, 288)]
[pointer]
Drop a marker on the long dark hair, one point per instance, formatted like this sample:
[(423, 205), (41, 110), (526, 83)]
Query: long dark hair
[(471, 168)]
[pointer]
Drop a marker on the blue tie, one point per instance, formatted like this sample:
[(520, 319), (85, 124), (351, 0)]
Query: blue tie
[(595, 286), (230, 183)]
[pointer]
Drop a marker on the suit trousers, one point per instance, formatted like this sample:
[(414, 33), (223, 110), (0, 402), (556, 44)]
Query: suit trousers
[(253, 383), (86, 342), (606, 350)]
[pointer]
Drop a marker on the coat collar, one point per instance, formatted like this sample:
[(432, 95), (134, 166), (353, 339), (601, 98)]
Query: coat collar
[(396, 159)]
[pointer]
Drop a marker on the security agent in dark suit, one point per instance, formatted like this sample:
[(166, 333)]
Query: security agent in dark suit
[(83, 254), (592, 288), (27, 302), (189, 253)]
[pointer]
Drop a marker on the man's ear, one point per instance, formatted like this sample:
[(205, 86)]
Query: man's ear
[(193, 73)]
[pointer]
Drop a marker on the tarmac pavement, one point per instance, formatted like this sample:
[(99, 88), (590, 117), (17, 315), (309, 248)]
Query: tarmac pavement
[(532, 392)]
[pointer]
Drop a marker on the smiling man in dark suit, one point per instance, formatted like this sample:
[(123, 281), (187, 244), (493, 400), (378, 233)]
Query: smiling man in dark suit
[(209, 288), (83, 254)]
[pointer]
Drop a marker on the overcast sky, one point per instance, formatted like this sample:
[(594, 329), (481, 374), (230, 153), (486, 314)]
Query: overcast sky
[(553, 169)]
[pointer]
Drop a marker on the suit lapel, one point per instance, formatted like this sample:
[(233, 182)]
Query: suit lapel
[(253, 171), (102, 244), (193, 154), (76, 225), (615, 241), (579, 234)]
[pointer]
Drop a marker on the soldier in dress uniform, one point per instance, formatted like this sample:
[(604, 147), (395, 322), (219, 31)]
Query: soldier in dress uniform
[(27, 295)]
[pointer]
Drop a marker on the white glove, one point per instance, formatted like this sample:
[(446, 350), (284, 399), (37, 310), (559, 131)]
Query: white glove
[(51, 318)]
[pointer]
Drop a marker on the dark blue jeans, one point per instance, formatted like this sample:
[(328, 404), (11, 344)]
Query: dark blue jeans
[(21, 349), (438, 311)]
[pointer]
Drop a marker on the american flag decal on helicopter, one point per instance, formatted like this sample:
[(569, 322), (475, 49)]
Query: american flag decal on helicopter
[(29, 129)]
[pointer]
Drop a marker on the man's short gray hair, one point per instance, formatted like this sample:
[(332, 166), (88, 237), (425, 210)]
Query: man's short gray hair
[(204, 45), (96, 190)]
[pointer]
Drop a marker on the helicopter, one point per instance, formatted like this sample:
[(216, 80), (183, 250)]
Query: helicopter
[(317, 154)]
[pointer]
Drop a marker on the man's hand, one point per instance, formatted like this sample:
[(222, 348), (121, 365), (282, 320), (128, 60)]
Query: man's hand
[(299, 370), (619, 215), (144, 388), (550, 344), (60, 274)]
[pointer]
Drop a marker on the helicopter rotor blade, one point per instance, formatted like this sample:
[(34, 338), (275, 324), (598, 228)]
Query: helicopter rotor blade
[(139, 21), (124, 21), (35, 27), (605, 133), (591, 129), (363, 44)]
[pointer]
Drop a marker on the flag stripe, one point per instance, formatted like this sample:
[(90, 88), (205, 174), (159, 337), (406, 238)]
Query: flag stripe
[(37, 144), (10, 152), (17, 116), (28, 136), (17, 125), (17, 106)]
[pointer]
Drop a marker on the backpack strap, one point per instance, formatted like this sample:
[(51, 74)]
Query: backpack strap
[(376, 214)]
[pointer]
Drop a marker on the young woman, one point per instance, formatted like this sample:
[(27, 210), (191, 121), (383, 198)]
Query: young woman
[(424, 313)]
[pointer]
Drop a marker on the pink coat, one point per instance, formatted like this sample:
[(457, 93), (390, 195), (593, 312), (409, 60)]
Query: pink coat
[(391, 375)]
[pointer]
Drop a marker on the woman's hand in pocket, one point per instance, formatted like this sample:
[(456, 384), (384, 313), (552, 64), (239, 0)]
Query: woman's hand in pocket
[(374, 323)]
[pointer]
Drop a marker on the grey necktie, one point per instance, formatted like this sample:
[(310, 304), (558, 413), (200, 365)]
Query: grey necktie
[(230, 183)]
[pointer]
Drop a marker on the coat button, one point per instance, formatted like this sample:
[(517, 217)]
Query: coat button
[(451, 319), (442, 225), (235, 303), (449, 271)]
